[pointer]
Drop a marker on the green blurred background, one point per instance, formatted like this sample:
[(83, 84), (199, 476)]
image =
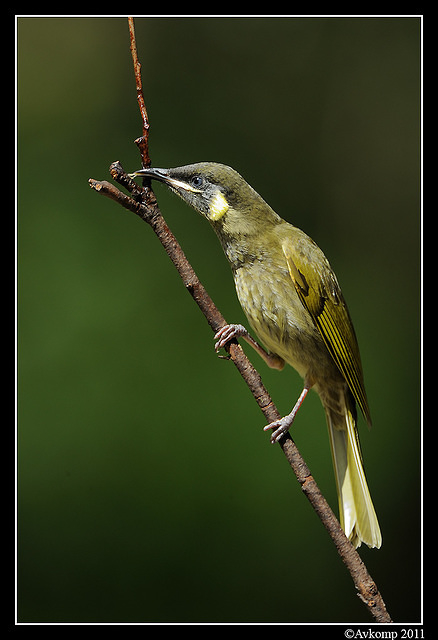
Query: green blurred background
[(148, 491)]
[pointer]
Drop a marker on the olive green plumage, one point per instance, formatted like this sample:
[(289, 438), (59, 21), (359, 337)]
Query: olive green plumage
[(294, 304)]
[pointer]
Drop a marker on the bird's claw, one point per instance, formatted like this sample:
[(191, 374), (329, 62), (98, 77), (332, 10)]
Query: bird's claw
[(280, 427), (283, 425), (227, 333)]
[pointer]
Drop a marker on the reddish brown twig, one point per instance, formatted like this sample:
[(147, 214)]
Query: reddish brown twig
[(143, 141)]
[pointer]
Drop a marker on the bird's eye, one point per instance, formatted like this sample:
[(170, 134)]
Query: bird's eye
[(197, 181)]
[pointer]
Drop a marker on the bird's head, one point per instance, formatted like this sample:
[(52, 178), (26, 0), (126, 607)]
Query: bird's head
[(217, 192)]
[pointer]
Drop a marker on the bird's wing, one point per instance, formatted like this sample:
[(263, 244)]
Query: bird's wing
[(319, 292)]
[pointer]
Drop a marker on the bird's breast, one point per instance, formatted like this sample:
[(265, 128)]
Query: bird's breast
[(276, 314)]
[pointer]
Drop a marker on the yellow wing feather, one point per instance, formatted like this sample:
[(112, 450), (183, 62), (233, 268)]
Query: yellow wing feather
[(321, 295)]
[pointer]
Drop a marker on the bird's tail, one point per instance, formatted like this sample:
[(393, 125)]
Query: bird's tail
[(357, 516)]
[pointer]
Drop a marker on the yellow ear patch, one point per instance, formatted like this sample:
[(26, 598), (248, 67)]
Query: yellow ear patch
[(218, 206)]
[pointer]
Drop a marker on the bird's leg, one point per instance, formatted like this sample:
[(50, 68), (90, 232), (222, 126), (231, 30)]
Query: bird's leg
[(284, 424), (230, 331)]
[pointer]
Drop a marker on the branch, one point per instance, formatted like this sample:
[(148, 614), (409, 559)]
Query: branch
[(143, 203), (151, 214)]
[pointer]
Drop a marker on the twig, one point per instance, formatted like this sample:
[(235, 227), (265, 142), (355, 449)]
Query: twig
[(143, 141), (144, 205)]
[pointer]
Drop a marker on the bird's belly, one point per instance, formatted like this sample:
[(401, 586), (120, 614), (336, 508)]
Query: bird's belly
[(280, 320)]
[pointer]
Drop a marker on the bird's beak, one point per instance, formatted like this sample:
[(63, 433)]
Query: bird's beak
[(155, 174), (163, 176)]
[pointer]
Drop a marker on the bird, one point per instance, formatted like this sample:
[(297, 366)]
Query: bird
[(294, 304)]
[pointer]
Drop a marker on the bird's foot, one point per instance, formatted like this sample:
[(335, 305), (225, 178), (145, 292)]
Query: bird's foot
[(283, 425), (230, 331), (227, 333), (280, 427)]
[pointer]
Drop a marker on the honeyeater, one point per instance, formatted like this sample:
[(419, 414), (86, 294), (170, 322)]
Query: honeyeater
[(294, 304)]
